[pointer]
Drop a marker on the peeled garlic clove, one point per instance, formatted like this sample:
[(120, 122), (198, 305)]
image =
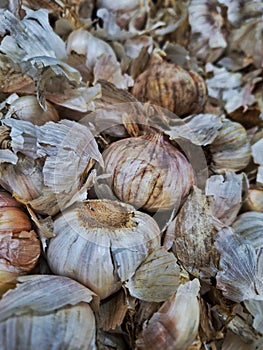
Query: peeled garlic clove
[(172, 87), (231, 148), (148, 172), (227, 191), (100, 243), (28, 108), (250, 226), (19, 244), (41, 313), (175, 325)]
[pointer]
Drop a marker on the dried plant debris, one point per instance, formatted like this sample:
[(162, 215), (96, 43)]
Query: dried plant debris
[(95, 99)]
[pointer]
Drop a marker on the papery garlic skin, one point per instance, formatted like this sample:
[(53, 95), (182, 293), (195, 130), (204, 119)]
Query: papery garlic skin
[(175, 325), (148, 172), (47, 312), (100, 243)]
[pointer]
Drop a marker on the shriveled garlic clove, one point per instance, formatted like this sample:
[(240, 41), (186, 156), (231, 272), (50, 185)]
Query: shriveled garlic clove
[(100, 243), (19, 244), (28, 108), (172, 87), (148, 172), (175, 325), (191, 234), (231, 149), (45, 312)]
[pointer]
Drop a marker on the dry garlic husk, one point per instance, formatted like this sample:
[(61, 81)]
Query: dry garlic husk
[(47, 312), (100, 243), (157, 278), (228, 191), (175, 325), (231, 148), (53, 163), (19, 244), (250, 226), (191, 235), (172, 87), (148, 172), (241, 267), (28, 108)]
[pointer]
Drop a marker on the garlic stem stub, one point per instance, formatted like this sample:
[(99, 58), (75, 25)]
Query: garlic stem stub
[(148, 172), (100, 243)]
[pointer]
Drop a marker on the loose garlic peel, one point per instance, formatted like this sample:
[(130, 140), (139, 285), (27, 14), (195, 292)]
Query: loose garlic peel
[(108, 235)]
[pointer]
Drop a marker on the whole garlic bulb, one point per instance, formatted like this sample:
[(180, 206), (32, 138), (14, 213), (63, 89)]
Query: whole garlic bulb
[(100, 243), (47, 312), (19, 244), (231, 148), (172, 87), (148, 172)]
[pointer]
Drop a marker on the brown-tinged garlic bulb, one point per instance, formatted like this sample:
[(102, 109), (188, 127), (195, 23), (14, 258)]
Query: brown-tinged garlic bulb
[(28, 108), (100, 243), (47, 312), (175, 325), (148, 172), (172, 87), (19, 244), (231, 148)]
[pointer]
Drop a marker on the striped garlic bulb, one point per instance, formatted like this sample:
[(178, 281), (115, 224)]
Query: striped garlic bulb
[(231, 148), (172, 87), (47, 312), (148, 172), (100, 243), (19, 244)]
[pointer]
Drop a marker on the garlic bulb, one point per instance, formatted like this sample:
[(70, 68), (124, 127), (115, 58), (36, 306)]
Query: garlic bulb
[(172, 87), (100, 243), (148, 172), (19, 244), (175, 325), (254, 200), (28, 108), (231, 148), (47, 312)]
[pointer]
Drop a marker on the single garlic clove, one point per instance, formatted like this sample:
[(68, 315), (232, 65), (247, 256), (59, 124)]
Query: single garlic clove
[(27, 108), (100, 243), (172, 87), (175, 325), (41, 313), (148, 172)]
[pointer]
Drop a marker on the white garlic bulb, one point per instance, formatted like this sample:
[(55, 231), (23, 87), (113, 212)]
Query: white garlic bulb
[(100, 243), (148, 172)]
